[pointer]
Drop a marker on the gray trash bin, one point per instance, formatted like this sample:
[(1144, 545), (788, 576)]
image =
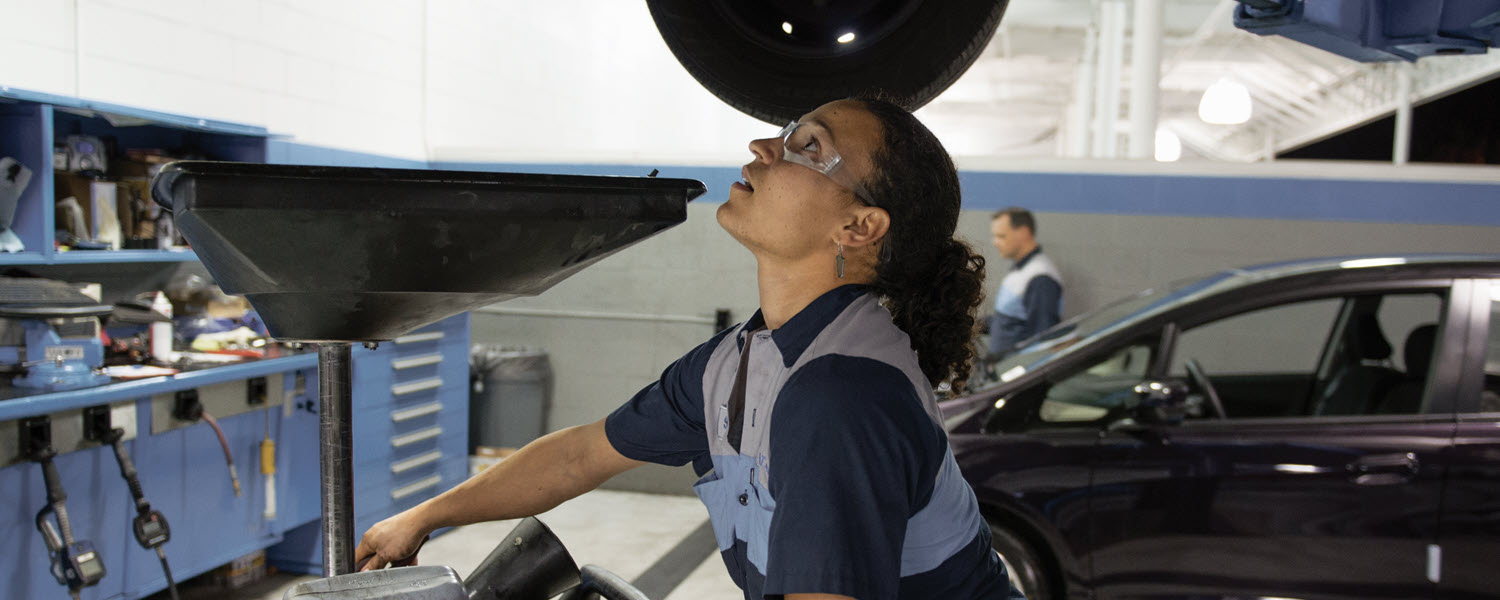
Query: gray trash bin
[(510, 395)]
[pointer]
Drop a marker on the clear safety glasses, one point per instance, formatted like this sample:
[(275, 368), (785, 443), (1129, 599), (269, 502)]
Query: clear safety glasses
[(807, 144)]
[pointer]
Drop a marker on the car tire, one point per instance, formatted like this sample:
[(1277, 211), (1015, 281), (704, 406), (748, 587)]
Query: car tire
[(1023, 564), (910, 57)]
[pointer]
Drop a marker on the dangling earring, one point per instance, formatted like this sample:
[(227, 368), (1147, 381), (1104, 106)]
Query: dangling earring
[(839, 261)]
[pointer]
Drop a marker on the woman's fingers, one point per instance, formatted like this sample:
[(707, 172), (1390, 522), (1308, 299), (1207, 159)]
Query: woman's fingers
[(387, 544), (369, 563)]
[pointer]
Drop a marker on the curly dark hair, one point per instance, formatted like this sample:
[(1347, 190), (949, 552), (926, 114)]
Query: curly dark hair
[(929, 280)]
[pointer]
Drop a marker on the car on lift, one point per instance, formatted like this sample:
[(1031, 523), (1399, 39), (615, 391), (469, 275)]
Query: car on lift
[(1253, 433)]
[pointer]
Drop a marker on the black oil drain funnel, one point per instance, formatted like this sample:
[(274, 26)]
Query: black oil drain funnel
[(341, 255), (528, 563)]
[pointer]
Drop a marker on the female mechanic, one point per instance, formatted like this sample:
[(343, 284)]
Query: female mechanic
[(824, 465)]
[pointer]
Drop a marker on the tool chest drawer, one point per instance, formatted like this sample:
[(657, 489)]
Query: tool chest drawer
[(401, 441), (406, 412), (411, 417), (433, 359)]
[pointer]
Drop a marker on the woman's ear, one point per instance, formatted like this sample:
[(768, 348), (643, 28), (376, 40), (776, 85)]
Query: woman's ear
[(866, 226)]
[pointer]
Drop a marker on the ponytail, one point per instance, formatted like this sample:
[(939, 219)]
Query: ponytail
[(930, 281), (936, 310)]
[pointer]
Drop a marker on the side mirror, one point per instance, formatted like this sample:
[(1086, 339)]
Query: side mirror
[(1163, 402), (1015, 412)]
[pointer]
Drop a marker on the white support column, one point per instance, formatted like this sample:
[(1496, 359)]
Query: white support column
[(1145, 76), (1107, 89), (1401, 149), (1080, 114)]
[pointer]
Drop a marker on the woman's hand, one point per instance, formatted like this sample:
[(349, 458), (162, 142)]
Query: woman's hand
[(392, 542)]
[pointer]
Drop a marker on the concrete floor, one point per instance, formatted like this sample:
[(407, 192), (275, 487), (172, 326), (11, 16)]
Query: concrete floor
[(624, 532)]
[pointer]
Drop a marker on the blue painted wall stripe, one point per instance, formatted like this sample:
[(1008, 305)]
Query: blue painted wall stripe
[(1369, 201), (1422, 202), (283, 152)]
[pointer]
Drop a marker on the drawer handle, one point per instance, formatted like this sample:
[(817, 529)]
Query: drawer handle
[(419, 337), (403, 389), (417, 361), (424, 483), (416, 436), (414, 412), (416, 461)]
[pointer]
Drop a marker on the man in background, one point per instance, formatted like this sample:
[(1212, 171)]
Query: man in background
[(1030, 295)]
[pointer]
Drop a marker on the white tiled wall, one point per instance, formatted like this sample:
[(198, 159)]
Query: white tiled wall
[(469, 80), (38, 48), (568, 80)]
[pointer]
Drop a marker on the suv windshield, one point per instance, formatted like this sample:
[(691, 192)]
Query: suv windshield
[(1048, 343)]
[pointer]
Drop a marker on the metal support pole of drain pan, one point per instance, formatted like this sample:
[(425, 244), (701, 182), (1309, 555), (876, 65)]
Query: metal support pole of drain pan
[(335, 457)]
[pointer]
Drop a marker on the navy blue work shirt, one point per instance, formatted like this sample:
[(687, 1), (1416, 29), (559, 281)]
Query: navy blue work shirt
[(843, 482)]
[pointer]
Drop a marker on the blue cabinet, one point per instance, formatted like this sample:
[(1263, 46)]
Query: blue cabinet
[(182, 473)]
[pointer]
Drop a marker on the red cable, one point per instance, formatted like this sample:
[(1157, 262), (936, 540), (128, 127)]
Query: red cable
[(228, 457)]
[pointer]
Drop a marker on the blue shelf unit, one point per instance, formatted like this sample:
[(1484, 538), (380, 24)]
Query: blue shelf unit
[(32, 123), (411, 397)]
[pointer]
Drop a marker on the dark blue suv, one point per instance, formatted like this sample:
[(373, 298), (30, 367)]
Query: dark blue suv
[(1324, 428)]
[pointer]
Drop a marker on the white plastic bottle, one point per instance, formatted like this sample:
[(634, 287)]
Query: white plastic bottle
[(161, 333)]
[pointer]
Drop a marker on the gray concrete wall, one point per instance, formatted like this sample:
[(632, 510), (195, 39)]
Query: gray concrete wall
[(597, 364), (696, 268)]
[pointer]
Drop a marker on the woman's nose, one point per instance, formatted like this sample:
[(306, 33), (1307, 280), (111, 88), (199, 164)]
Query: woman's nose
[(766, 150)]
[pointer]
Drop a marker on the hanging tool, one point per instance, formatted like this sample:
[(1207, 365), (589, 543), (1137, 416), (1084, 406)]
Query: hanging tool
[(150, 526), (75, 563), (234, 478), (188, 408), (268, 468)]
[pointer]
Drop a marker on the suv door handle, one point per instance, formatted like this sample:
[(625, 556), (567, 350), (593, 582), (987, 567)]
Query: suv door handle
[(1383, 469)]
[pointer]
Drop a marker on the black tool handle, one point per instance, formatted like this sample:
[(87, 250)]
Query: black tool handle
[(127, 470), (62, 522), (55, 493)]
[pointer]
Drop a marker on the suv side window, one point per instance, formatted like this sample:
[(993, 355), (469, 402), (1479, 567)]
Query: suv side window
[(1089, 394), (1282, 339), (1357, 355)]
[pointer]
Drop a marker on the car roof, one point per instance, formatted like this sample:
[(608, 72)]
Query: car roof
[(1229, 280), (1380, 264), (1262, 272)]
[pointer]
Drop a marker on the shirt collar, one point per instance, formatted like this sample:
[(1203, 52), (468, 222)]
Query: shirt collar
[(798, 333), (1025, 259)]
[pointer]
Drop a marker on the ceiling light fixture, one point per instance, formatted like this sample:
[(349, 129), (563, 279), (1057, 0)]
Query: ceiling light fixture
[(846, 38), (786, 27), (1226, 102)]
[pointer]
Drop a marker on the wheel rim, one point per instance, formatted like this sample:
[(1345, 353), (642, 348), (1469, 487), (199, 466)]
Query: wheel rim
[(814, 30), (1012, 573), (1021, 563)]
